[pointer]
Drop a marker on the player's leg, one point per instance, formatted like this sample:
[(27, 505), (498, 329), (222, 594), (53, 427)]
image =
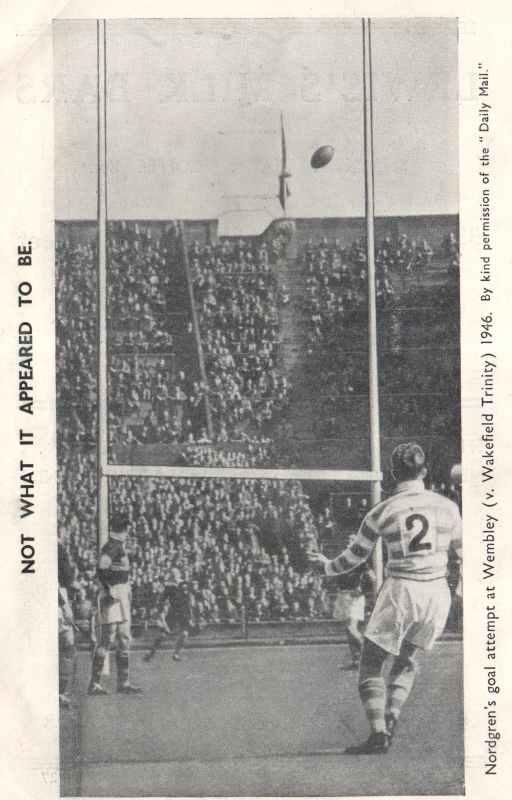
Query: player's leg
[(355, 639), (106, 640), (383, 637), (181, 641), (67, 653), (372, 686), (157, 643), (164, 632), (430, 603), (400, 683), (372, 691), (123, 660)]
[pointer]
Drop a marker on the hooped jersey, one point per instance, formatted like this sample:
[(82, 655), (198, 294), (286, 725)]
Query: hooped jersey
[(418, 528)]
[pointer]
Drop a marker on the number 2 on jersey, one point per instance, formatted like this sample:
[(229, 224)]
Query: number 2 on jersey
[(417, 534)]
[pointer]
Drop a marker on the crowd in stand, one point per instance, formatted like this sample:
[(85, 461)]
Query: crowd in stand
[(152, 399), (235, 543), (238, 544), (166, 406), (76, 362), (337, 281), (153, 395), (246, 452), (237, 301), (419, 389), (156, 400), (139, 286)]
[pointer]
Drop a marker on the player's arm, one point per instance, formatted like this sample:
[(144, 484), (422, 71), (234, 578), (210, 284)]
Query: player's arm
[(355, 554)]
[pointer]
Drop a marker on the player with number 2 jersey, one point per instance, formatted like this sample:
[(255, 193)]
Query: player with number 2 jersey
[(420, 530)]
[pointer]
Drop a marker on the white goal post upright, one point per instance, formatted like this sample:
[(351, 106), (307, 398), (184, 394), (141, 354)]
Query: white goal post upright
[(106, 470), (373, 368), (101, 296)]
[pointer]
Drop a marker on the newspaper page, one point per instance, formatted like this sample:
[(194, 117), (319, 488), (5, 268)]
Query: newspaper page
[(256, 374)]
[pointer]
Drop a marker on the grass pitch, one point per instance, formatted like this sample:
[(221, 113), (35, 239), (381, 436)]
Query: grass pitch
[(249, 721)]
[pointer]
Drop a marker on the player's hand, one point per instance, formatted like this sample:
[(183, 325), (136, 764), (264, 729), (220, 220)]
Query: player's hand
[(314, 557), (108, 598)]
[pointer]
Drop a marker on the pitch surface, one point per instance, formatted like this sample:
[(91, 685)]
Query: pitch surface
[(263, 721)]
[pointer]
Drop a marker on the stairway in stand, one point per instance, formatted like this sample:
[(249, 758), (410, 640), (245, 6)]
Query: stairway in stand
[(294, 331)]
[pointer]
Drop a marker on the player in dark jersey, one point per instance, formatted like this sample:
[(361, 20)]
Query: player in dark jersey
[(114, 610), (174, 615)]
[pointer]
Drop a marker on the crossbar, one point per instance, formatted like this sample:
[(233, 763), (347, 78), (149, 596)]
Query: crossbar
[(137, 471)]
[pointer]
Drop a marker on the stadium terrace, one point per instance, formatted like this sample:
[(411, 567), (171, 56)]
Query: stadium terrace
[(227, 352)]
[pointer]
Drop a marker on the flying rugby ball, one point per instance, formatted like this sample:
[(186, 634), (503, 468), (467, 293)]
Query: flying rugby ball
[(322, 156)]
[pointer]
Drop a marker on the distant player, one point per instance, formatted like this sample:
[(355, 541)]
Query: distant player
[(174, 616), (351, 607), (114, 610), (67, 649), (419, 529)]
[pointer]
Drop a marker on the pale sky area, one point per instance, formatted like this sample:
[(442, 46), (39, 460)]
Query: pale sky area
[(193, 117)]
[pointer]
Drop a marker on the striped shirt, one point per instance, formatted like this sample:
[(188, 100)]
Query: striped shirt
[(418, 528)]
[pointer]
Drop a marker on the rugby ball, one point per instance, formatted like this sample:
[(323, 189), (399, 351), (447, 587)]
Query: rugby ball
[(322, 156)]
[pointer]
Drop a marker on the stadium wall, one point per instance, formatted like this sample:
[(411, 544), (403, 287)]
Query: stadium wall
[(434, 228)]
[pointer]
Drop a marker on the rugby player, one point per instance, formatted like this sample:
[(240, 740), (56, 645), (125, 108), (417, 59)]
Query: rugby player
[(352, 607), (114, 609), (420, 529), (67, 649), (174, 614)]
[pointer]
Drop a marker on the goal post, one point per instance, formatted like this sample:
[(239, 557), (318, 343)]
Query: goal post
[(373, 363), (101, 295), (104, 468), (247, 473)]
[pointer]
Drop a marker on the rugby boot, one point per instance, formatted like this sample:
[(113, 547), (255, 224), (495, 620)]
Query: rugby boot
[(127, 688), (376, 744), (96, 689)]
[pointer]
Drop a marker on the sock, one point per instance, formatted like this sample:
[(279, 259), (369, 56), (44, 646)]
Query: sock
[(400, 683), (66, 664), (372, 692), (98, 662), (122, 662)]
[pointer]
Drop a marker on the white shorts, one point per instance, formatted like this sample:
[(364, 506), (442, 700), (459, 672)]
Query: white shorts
[(115, 607), (415, 611)]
